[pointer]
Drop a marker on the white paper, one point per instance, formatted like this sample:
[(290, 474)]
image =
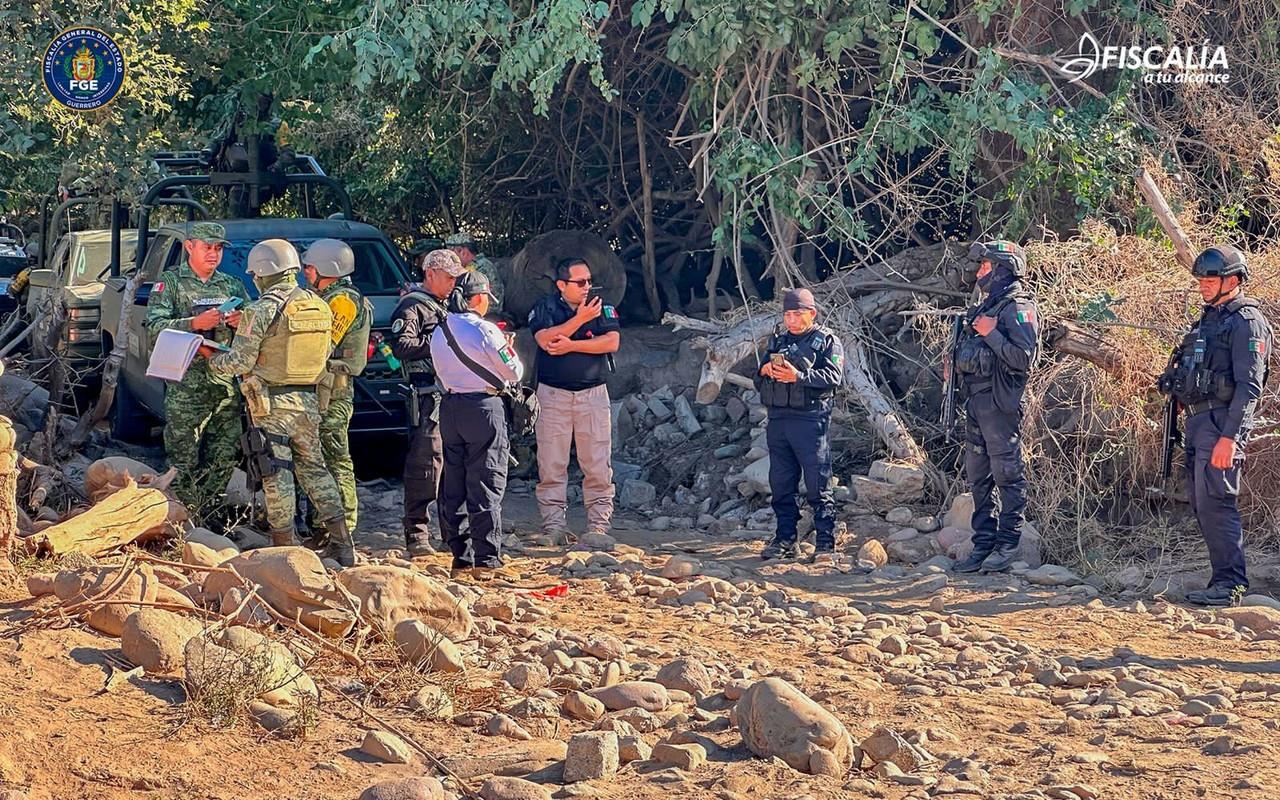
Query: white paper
[(173, 354)]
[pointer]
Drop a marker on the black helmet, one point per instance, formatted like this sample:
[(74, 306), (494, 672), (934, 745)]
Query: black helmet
[(1002, 252), (1220, 261)]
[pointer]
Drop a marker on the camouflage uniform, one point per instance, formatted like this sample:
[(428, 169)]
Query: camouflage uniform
[(293, 425), (483, 265), (202, 411), (352, 318)]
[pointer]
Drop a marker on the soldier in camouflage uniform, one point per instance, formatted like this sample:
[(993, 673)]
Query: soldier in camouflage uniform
[(465, 247), (202, 411), (281, 351), (327, 265)]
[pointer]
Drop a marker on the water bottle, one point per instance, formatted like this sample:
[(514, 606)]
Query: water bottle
[(385, 350)]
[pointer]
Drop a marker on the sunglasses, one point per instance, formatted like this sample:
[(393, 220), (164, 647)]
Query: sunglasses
[(581, 283)]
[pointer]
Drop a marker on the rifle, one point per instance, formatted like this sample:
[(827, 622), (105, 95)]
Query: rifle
[(255, 444), (1172, 437), (949, 381)]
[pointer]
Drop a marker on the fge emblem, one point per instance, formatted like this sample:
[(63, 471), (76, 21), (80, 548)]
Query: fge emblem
[(83, 69)]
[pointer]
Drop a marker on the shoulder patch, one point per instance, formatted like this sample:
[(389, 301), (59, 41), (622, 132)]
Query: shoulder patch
[(397, 325), (1027, 316), (507, 354), (158, 287), (1258, 346), (837, 360), (610, 312)]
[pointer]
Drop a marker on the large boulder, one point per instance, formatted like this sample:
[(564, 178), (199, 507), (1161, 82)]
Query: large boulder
[(244, 663), (777, 719), (390, 595), (1257, 618), (155, 639), (73, 587), (405, 789), (293, 582)]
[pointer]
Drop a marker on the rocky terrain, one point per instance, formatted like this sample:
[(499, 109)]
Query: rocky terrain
[(654, 664)]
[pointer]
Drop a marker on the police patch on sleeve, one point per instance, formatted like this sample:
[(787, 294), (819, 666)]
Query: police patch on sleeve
[(397, 325), (1026, 316), (507, 354), (610, 312), (837, 360), (1258, 346)]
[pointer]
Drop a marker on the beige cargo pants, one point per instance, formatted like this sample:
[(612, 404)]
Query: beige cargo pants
[(580, 419)]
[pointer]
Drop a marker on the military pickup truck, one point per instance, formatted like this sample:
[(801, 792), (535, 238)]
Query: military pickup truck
[(380, 273)]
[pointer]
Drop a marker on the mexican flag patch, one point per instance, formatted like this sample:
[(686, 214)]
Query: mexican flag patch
[(507, 354), (158, 288), (1026, 316), (837, 360), (1258, 346), (609, 312)]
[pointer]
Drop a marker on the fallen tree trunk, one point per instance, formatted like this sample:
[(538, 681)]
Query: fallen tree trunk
[(729, 347), (1067, 337), (133, 513)]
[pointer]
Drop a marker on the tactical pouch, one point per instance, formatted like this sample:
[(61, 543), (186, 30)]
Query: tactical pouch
[(325, 391), (255, 396), (259, 460)]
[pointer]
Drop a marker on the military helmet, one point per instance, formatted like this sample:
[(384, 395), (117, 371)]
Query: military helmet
[(1000, 251), (272, 257), (1220, 261), (460, 239), (332, 258)]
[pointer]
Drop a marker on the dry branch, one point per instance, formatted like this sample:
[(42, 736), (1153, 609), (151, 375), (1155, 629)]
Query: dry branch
[(1067, 337), (1160, 207)]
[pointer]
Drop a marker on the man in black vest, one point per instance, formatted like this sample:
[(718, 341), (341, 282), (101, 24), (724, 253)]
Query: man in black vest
[(992, 361), (803, 366), (412, 324), (1217, 375)]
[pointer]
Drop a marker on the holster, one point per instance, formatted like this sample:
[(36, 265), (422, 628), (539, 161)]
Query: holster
[(260, 462), (256, 397)]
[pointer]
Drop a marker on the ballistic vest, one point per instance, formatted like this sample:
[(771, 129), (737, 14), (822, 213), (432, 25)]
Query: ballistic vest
[(295, 350)]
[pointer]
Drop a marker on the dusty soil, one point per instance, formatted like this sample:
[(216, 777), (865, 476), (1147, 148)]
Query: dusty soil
[(63, 736)]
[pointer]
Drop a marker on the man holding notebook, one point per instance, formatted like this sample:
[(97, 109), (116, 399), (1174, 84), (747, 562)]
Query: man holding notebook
[(202, 411)]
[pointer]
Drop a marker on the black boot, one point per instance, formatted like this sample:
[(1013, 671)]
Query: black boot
[(282, 538), (1217, 595), (973, 563), (1000, 559), (341, 546), (779, 548)]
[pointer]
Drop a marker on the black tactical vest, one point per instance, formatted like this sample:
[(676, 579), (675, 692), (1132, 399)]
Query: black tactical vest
[(803, 352)]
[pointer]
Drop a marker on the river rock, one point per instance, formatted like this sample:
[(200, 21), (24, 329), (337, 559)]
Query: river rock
[(777, 719), (389, 595), (405, 789), (293, 582), (502, 788), (686, 674), (633, 694), (386, 747), (155, 639), (421, 644)]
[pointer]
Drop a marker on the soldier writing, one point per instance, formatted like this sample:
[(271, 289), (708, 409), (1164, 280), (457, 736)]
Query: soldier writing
[(202, 411)]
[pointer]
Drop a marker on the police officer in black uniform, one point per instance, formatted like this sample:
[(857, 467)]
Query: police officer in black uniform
[(412, 323), (803, 366), (992, 361), (1216, 374)]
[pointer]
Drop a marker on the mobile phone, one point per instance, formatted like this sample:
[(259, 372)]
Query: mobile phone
[(594, 292), (776, 359), (230, 305)]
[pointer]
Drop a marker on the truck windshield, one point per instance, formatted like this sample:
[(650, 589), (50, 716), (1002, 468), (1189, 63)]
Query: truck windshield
[(377, 272), (91, 259)]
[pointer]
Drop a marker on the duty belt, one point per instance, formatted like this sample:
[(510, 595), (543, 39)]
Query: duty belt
[(290, 387), (1200, 408)]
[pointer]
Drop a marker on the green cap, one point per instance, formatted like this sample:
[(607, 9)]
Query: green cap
[(460, 239), (209, 233)]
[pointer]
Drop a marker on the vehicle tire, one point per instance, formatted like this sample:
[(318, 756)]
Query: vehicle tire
[(130, 422)]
